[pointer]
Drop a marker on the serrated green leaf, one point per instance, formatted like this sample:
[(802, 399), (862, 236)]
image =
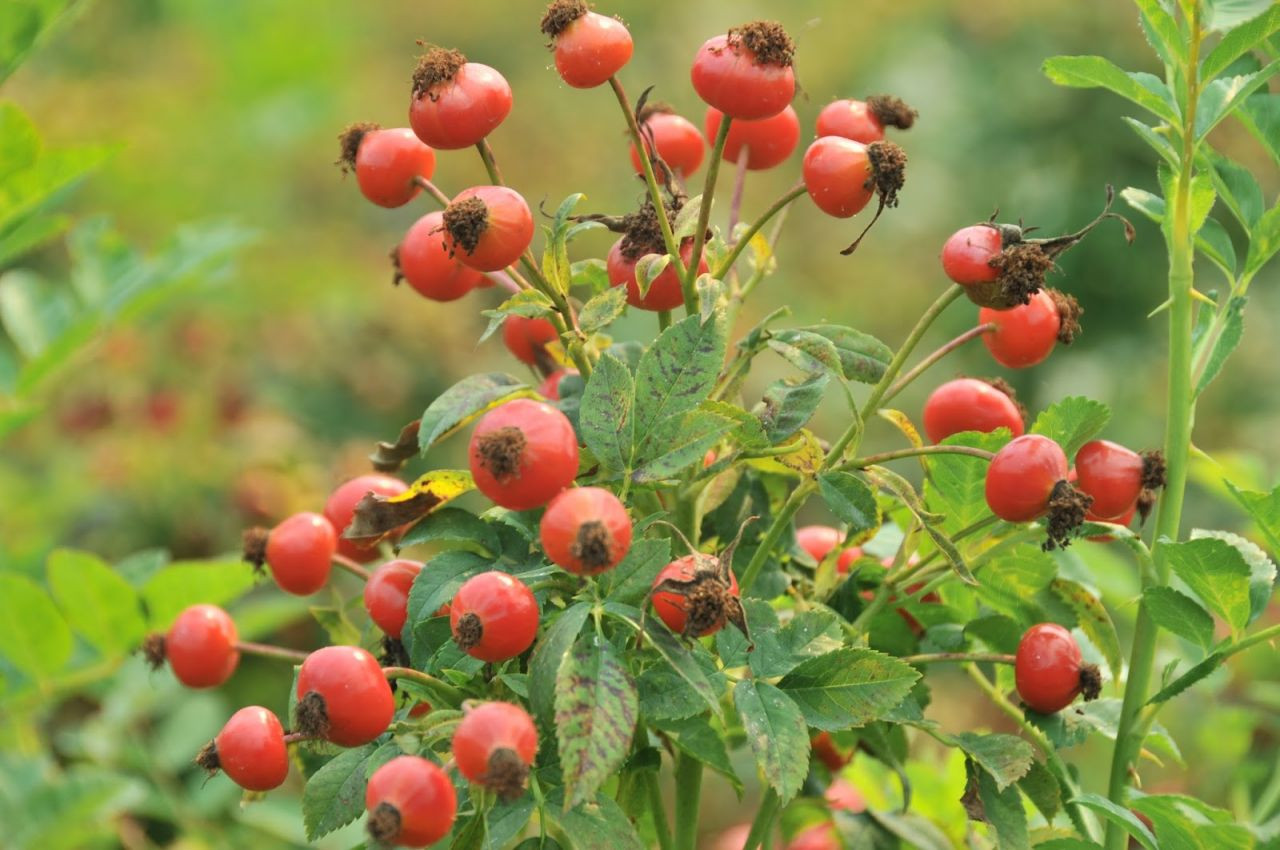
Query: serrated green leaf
[(1119, 815), (24, 192), (787, 406), (696, 737), (1072, 422), (600, 312), (527, 303), (851, 501), (863, 358), (605, 414), (631, 579), (665, 695), (1239, 41), (1179, 614), (185, 583), (435, 584), (464, 402), (549, 655), (1264, 238), (452, 527), (1161, 31), (1094, 620), (1011, 580), (808, 634), (957, 483), (1262, 572), (808, 352), (1042, 790), (848, 687), (1007, 758), (1238, 189), (1264, 509), (1096, 72), (647, 270), (1217, 573), (1222, 96), (1260, 115), (686, 222), (678, 443), (30, 234), (35, 638), (682, 661), (1211, 240), (1224, 15), (678, 372), (594, 825), (1000, 808), (776, 732), (505, 821), (596, 710), (334, 795), (99, 604)]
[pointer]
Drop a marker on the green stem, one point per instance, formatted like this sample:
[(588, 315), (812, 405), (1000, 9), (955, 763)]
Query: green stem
[(763, 821), (490, 162), (424, 679), (664, 320), (741, 245), (691, 301), (658, 810), (688, 797), (942, 302), (431, 189), (1180, 409), (914, 451), (944, 657), (920, 368)]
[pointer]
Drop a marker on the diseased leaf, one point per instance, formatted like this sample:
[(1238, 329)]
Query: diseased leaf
[(390, 457), (787, 406), (863, 358), (1179, 614), (678, 371), (549, 656), (678, 443), (775, 730), (1001, 809), (848, 688), (334, 795), (606, 414), (1072, 422), (808, 634), (809, 352), (596, 711), (665, 695), (1007, 758), (851, 501), (600, 312), (376, 515), (465, 402)]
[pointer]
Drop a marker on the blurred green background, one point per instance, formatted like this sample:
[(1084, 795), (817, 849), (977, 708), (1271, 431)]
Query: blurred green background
[(256, 390)]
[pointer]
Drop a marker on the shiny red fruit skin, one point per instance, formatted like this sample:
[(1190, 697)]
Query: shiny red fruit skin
[(769, 141), (967, 404), (507, 610), (819, 540), (341, 507), (386, 594), (567, 513), (251, 749), (1022, 476), (1047, 668), (591, 50), (678, 142), (1024, 335), (672, 608), (425, 262), (489, 727), (461, 112), (548, 463), (826, 751), (506, 235), (820, 836), (386, 163), (664, 293), (356, 694), (967, 254), (550, 386), (421, 792), (850, 119), (1112, 475), (201, 646), (526, 338), (835, 175), (725, 75), (300, 553)]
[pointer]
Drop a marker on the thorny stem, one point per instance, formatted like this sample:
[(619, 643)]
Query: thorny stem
[(432, 190), (1180, 409), (268, 651), (741, 244), (688, 797), (342, 562), (739, 183), (691, 302), (919, 369)]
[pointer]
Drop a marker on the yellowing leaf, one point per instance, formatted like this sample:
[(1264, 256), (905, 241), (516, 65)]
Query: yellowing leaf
[(376, 516)]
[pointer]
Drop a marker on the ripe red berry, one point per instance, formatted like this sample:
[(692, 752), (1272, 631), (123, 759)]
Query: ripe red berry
[(768, 141), (411, 803), (201, 646), (820, 836), (488, 227), (343, 696), (341, 507), (967, 404), (250, 750), (825, 750), (677, 140), (523, 453), (837, 176), (819, 540), (386, 162), (423, 260), (586, 530), (526, 339), (589, 47), (746, 73), (967, 254), (1025, 335), (494, 616), (495, 745), (864, 121), (842, 796), (550, 386), (386, 594), (456, 103), (1125, 519), (1048, 669), (1022, 477), (1112, 475), (300, 553), (673, 608), (664, 293)]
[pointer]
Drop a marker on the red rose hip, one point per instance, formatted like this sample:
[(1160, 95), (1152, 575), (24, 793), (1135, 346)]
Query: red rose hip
[(423, 260), (678, 142), (768, 141), (664, 292), (411, 803), (494, 616), (456, 103), (967, 404), (495, 745), (819, 540), (527, 339), (386, 594), (201, 647), (300, 553), (589, 47), (747, 72), (340, 508), (1025, 335), (487, 228), (523, 453), (586, 530), (1028, 479), (864, 121), (250, 750), (386, 162), (1049, 671), (343, 696)]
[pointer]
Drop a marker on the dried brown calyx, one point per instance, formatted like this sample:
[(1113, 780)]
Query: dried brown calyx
[(349, 143), (892, 111), (384, 824), (1069, 313), (507, 775), (1090, 681), (437, 66), (468, 632), (311, 716), (560, 14), (153, 650), (1023, 263), (501, 451), (593, 545), (767, 41), (1067, 509), (888, 175), (1153, 480), (642, 231), (255, 546), (657, 107), (207, 758), (466, 221)]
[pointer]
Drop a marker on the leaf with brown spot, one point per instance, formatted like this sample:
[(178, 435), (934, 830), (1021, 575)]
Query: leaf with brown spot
[(389, 457), (377, 516)]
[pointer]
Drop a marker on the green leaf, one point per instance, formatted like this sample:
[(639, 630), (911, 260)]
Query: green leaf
[(665, 696), (1211, 240), (1217, 573), (678, 443), (98, 603), (696, 737), (35, 638), (1239, 41), (22, 24), (1096, 72), (527, 303), (848, 687), (808, 352), (682, 661), (1094, 620), (851, 501), (33, 311), (863, 358), (337, 626), (647, 270), (334, 795), (592, 274), (452, 527), (592, 826), (686, 222), (808, 634), (1118, 815), (605, 414), (600, 312), (464, 402), (26, 191), (1264, 509), (1264, 239), (1161, 31), (915, 831), (1001, 808), (631, 579), (1228, 14), (1007, 758), (182, 584), (19, 140), (900, 488), (505, 821), (1222, 96), (1042, 790), (678, 372), (1238, 189), (775, 730), (787, 406), (550, 654), (30, 234), (1194, 674), (1072, 422), (1011, 580), (956, 485), (435, 584), (1262, 572), (1261, 117), (596, 711), (1158, 140), (1179, 614)]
